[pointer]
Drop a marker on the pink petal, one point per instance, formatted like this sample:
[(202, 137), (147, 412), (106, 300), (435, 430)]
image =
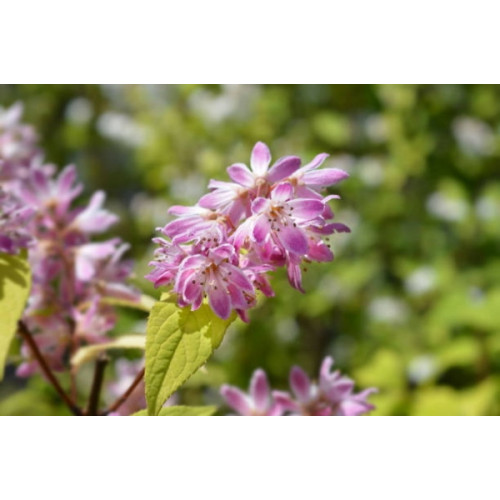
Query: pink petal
[(293, 239), (84, 268), (285, 401), (182, 210), (324, 177), (238, 278), (217, 198), (219, 301), (282, 192), (300, 384), (236, 399), (283, 168), (259, 205), (260, 159), (315, 163), (306, 209), (326, 367), (319, 252), (241, 174), (259, 391), (237, 210), (238, 300), (191, 290), (295, 274), (261, 228), (352, 408)]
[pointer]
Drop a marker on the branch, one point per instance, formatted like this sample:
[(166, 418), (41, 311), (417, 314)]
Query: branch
[(95, 393), (126, 394), (28, 338)]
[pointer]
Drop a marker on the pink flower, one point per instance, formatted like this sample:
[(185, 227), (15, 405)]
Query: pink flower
[(333, 395), (14, 220), (269, 217), (309, 181), (217, 276), (279, 221), (196, 223), (93, 218), (259, 401), (18, 147), (234, 199)]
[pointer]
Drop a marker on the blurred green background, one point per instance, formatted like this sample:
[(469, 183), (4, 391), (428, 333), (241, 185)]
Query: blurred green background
[(411, 304)]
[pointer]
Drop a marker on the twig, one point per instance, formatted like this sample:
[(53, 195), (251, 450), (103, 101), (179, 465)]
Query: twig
[(26, 335), (126, 394), (95, 393)]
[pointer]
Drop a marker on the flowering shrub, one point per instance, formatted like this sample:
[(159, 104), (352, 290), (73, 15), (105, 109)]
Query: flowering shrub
[(221, 249)]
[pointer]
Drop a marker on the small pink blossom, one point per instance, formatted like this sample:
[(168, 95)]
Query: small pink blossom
[(217, 276), (333, 395), (259, 400)]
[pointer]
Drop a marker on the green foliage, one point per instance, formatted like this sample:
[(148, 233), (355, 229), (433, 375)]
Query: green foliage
[(15, 283), (178, 342), (181, 411)]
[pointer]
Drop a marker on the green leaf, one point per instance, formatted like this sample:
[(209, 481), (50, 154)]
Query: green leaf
[(181, 411), (88, 353), (15, 284), (178, 342)]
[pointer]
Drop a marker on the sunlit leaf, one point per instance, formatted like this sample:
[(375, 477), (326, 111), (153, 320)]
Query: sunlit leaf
[(15, 284), (178, 342), (181, 411)]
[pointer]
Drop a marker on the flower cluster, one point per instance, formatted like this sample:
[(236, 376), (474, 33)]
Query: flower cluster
[(267, 217), (72, 274), (18, 145), (332, 395), (14, 219)]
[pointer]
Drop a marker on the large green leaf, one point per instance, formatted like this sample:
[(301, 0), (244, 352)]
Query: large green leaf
[(15, 283), (178, 342), (181, 411)]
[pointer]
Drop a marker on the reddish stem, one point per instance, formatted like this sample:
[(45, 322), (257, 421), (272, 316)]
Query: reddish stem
[(126, 394), (28, 338)]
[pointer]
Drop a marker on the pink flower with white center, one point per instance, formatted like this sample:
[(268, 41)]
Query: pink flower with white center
[(235, 198), (52, 197), (89, 255), (93, 322), (196, 223), (217, 276), (168, 258), (333, 395), (279, 220), (94, 218), (259, 401), (309, 181), (111, 275)]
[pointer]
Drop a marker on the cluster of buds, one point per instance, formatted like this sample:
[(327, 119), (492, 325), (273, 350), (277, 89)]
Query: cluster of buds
[(332, 395), (223, 247), (72, 275)]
